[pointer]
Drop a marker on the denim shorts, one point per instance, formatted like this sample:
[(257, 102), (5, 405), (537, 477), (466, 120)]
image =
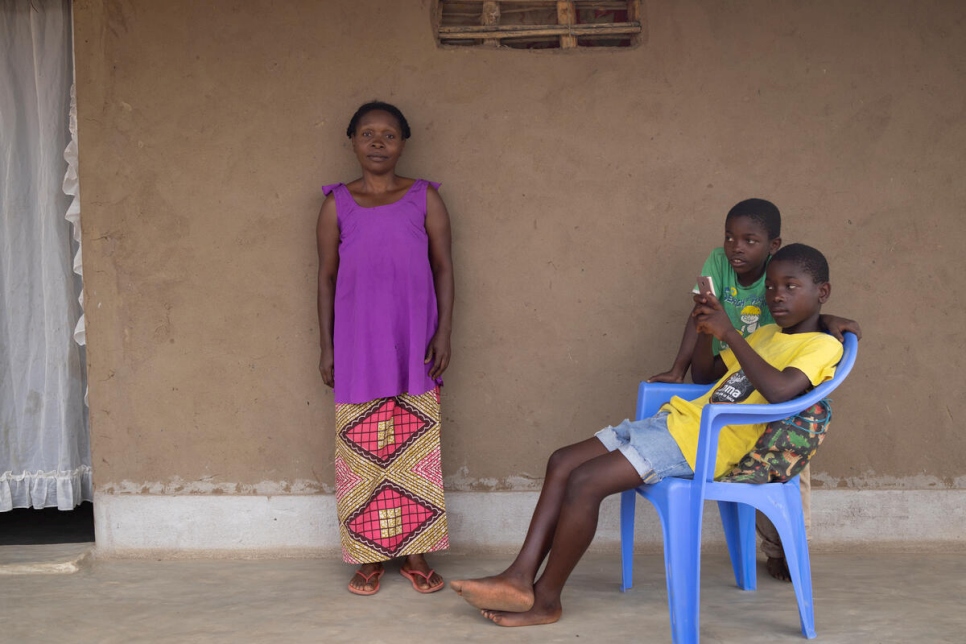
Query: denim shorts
[(649, 447)]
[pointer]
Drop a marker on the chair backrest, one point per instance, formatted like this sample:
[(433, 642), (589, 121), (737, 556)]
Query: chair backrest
[(651, 396)]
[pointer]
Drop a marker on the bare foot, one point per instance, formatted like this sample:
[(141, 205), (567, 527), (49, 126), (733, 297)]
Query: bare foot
[(777, 567), (543, 615), (366, 580), (499, 593), (428, 580)]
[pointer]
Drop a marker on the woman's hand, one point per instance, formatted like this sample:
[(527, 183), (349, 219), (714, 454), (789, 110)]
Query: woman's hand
[(438, 353), (327, 239), (327, 367), (441, 263)]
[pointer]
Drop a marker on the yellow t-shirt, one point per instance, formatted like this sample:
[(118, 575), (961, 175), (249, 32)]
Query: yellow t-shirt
[(814, 354)]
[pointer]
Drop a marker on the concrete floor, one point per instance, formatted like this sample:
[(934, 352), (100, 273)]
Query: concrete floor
[(859, 598)]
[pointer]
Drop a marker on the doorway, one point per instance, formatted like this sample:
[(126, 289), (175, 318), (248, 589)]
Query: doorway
[(27, 526), (45, 463)]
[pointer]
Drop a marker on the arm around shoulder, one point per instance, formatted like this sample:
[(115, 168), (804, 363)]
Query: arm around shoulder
[(837, 326)]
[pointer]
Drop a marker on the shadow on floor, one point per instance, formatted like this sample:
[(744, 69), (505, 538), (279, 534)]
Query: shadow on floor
[(27, 526)]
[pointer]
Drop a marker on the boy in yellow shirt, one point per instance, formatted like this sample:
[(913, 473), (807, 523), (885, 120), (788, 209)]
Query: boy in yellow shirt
[(776, 363)]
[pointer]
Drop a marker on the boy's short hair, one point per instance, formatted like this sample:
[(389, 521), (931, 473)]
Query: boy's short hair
[(372, 106), (762, 212), (808, 259)]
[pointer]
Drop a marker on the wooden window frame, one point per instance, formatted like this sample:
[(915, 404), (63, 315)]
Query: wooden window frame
[(493, 31)]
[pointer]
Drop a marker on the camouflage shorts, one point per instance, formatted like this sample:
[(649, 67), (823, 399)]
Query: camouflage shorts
[(785, 447)]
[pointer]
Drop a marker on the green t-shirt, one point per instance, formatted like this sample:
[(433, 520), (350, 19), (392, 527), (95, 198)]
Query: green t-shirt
[(745, 305)]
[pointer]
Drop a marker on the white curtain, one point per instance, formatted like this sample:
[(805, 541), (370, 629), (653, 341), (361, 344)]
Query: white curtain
[(44, 441)]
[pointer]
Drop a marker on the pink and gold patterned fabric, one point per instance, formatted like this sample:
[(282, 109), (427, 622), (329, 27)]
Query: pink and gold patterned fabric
[(389, 481)]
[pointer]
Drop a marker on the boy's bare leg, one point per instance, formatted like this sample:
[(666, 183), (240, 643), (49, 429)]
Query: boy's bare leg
[(587, 486), (512, 589)]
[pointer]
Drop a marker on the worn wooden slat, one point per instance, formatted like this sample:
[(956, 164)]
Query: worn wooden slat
[(491, 17), (525, 31), (566, 15), (596, 4), (632, 11)]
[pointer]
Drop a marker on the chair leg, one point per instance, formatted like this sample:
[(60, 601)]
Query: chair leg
[(802, 581), (682, 562), (795, 544), (628, 505), (738, 521)]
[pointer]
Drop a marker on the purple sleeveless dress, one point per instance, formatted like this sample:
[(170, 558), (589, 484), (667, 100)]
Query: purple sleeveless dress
[(385, 299), (389, 479)]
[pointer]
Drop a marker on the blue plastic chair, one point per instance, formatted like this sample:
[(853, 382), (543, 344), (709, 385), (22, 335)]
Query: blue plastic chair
[(680, 505)]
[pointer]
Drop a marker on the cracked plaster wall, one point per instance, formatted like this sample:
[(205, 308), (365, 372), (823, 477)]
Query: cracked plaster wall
[(585, 190)]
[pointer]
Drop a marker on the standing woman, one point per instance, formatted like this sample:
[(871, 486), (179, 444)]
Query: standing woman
[(385, 316)]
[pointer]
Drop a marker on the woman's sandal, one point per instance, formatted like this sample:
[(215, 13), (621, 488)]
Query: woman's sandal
[(368, 579), (411, 576)]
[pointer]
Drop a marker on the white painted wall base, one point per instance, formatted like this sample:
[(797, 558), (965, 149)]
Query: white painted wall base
[(139, 525)]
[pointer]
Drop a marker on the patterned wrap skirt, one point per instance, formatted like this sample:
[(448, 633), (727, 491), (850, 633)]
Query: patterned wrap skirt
[(389, 480)]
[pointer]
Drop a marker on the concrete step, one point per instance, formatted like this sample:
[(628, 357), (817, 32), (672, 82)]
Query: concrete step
[(45, 559)]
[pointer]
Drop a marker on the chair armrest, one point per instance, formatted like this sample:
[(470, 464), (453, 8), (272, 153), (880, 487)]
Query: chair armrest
[(651, 395)]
